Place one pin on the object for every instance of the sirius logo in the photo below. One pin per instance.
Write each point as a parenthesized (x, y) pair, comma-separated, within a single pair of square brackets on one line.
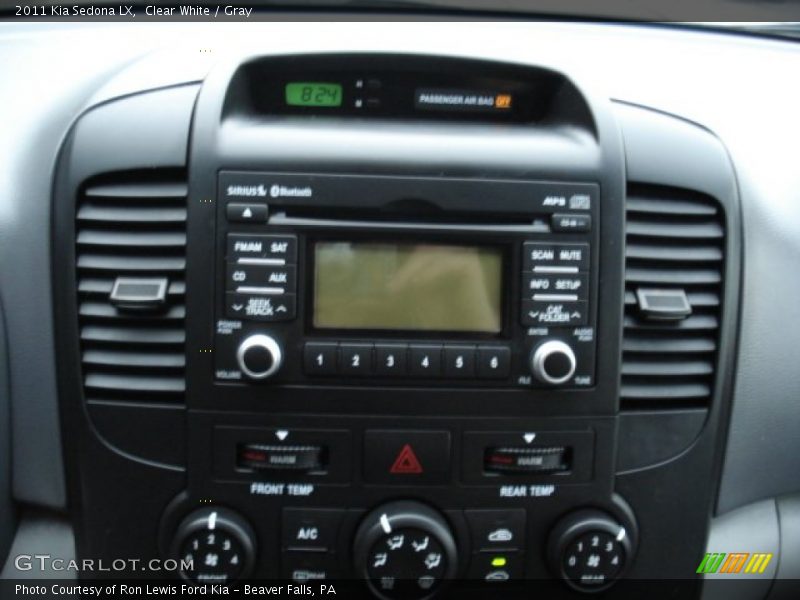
[(247, 190)]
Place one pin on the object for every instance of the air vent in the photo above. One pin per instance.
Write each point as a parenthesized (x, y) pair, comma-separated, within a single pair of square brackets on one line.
[(674, 251), (132, 230)]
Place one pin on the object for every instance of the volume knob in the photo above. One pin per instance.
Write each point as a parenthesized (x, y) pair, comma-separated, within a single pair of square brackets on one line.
[(259, 356), (553, 362)]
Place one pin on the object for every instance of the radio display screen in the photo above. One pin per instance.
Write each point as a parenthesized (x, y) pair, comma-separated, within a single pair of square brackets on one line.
[(410, 287)]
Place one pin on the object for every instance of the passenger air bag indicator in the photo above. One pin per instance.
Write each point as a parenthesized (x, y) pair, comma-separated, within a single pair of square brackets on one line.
[(449, 99)]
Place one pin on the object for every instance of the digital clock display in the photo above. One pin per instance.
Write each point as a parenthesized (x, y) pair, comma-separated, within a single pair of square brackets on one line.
[(304, 93)]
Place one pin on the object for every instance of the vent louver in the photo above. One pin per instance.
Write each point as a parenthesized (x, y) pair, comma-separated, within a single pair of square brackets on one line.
[(674, 241), (135, 227)]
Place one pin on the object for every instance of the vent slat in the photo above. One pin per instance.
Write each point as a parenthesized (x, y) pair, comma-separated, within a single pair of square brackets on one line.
[(122, 264), (132, 335), (651, 229), (131, 358), (143, 383), (131, 214), (134, 227), (696, 299), (693, 323), (135, 239), (94, 285), (139, 191), (670, 391), (669, 206), (674, 241), (673, 253), (672, 276), (680, 368), (654, 345), (108, 311)]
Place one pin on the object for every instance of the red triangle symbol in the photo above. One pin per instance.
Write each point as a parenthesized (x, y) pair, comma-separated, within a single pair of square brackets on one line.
[(406, 462)]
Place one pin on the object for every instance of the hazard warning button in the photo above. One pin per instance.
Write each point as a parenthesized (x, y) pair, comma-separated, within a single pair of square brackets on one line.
[(393, 456)]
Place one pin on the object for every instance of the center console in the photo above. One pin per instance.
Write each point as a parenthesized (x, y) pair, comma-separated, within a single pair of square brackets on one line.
[(403, 314)]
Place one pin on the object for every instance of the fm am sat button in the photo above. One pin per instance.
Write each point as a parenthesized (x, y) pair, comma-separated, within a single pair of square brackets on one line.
[(310, 529), (262, 249), (551, 313), (260, 307), (497, 529), (406, 457), (246, 212)]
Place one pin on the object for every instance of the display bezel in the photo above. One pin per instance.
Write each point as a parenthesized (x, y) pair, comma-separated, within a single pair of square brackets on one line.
[(506, 255)]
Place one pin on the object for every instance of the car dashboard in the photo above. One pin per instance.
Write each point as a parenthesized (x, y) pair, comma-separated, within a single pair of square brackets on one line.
[(413, 309)]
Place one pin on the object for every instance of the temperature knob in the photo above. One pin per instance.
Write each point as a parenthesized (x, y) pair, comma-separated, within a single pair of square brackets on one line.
[(590, 550), (553, 362), (214, 545), (405, 550), (259, 356)]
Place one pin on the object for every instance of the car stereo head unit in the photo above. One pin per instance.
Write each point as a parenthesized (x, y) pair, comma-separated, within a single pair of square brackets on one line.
[(405, 280)]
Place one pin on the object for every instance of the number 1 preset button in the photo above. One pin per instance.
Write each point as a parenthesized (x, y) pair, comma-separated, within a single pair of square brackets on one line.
[(319, 358)]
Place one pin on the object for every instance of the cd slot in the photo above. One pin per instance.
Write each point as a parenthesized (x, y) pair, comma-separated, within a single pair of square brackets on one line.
[(527, 226)]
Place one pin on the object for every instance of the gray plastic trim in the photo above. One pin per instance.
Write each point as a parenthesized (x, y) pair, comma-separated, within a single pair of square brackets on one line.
[(43, 534)]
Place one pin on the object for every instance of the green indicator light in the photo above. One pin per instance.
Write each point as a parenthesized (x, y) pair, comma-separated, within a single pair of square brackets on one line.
[(499, 561)]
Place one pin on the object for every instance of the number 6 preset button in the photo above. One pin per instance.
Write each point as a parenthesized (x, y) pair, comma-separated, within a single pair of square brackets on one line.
[(355, 359)]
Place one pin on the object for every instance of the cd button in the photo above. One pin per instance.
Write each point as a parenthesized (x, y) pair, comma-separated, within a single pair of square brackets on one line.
[(494, 362), (390, 359), (278, 278), (459, 361), (426, 361), (355, 359)]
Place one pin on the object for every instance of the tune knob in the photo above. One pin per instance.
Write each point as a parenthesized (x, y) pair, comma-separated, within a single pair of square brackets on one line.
[(589, 549), (405, 550), (218, 545), (259, 356), (553, 362)]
